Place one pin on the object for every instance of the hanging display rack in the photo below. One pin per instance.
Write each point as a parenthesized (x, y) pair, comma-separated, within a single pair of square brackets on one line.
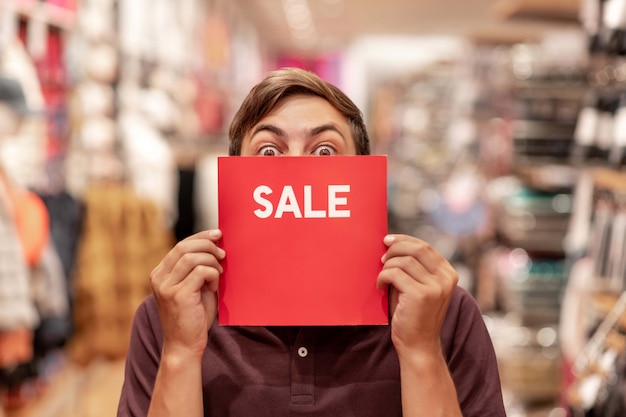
[(36, 10)]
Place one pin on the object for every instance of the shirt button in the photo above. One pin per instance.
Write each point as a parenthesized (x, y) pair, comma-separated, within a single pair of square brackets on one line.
[(303, 352)]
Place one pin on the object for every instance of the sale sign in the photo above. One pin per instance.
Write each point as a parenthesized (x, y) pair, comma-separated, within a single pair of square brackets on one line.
[(303, 238)]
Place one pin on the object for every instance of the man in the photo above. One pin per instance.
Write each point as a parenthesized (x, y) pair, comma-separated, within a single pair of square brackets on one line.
[(434, 359)]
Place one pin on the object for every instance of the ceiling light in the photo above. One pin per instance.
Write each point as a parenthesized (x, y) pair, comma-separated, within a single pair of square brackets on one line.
[(300, 21)]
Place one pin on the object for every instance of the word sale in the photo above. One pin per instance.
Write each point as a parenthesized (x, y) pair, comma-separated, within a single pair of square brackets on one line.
[(288, 203)]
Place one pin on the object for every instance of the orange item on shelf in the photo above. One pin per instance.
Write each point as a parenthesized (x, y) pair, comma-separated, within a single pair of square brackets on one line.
[(32, 222), (16, 346)]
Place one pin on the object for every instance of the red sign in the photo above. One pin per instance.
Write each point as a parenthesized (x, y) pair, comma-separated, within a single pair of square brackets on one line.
[(303, 238)]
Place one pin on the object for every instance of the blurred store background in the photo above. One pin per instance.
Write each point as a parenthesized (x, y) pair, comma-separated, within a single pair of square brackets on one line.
[(504, 122)]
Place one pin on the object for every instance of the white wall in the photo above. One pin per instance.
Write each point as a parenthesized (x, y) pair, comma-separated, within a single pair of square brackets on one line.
[(378, 57)]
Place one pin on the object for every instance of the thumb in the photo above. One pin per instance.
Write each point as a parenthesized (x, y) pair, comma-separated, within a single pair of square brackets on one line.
[(393, 301)]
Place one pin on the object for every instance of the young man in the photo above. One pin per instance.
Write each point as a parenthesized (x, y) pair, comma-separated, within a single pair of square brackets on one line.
[(435, 358)]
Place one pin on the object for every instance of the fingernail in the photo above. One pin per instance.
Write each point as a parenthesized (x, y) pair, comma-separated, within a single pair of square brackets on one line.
[(382, 258), (221, 253), (389, 239), (214, 233)]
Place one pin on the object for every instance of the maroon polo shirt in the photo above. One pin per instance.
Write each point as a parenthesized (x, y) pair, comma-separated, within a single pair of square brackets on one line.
[(314, 371)]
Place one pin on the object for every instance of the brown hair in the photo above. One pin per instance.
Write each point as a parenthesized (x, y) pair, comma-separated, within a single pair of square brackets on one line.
[(266, 95)]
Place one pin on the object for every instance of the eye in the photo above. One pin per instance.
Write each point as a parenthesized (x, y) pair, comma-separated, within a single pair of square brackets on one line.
[(269, 151), (324, 150)]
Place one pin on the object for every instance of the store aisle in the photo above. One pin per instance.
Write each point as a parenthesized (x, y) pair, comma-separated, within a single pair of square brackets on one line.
[(76, 391)]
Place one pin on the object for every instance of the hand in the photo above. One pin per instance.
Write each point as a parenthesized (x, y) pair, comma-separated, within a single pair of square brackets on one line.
[(422, 283), (185, 287)]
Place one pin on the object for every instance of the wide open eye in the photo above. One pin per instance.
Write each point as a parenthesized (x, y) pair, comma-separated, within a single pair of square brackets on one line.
[(269, 150), (324, 150)]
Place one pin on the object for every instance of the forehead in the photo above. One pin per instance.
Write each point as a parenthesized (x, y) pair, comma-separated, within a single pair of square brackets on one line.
[(302, 118), (305, 107)]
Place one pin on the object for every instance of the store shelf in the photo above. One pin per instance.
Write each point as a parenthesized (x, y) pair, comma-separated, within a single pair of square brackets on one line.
[(609, 179), (503, 36), (78, 391), (604, 302), (51, 14), (557, 10)]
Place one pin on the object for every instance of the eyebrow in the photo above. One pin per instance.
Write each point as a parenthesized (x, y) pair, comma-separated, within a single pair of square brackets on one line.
[(281, 133), (323, 128), (267, 127)]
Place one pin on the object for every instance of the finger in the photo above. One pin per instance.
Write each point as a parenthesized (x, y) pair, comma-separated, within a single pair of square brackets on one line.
[(211, 234), (204, 241), (202, 277), (398, 279), (158, 276), (412, 267), (445, 279), (402, 245), (403, 284), (189, 262)]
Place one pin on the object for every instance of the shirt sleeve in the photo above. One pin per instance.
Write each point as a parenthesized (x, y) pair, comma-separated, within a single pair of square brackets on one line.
[(471, 359), (142, 361)]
